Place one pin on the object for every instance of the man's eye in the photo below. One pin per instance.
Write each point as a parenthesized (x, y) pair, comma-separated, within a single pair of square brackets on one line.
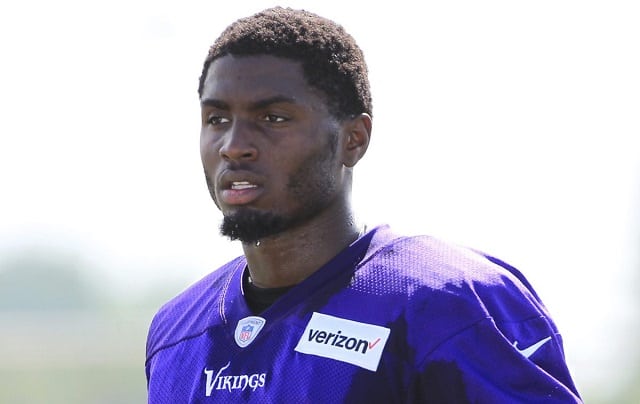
[(271, 118), (216, 120)]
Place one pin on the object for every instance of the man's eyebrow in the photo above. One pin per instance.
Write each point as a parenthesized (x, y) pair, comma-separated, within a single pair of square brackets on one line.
[(276, 99), (256, 105), (212, 102)]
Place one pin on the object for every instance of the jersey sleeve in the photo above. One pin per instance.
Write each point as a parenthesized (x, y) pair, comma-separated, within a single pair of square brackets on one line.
[(512, 353), (472, 328), (484, 364)]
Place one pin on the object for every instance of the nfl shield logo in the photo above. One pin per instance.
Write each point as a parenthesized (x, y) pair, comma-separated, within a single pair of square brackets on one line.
[(247, 330), (245, 334)]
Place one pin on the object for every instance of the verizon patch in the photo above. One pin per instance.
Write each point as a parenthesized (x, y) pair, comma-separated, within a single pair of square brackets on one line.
[(360, 344)]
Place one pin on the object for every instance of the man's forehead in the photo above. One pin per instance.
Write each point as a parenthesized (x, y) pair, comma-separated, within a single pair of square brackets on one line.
[(236, 67), (256, 75)]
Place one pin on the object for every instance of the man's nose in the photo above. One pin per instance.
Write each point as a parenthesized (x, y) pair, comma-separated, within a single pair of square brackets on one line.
[(239, 142)]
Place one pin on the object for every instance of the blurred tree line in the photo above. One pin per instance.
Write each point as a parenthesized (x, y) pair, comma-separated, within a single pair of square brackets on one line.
[(67, 338), (46, 280)]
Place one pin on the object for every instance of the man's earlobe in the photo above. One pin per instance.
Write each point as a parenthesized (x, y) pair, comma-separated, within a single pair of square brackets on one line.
[(358, 136)]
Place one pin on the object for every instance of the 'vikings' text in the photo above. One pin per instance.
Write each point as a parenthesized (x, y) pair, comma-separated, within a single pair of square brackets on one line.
[(239, 382)]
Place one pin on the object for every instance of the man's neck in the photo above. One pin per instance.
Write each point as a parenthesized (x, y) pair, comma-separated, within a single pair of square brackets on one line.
[(290, 257)]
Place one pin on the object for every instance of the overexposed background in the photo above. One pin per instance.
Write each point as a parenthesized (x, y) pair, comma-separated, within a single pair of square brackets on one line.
[(511, 127)]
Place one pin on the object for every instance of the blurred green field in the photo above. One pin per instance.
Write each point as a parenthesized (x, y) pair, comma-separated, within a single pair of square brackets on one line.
[(108, 384), (72, 357)]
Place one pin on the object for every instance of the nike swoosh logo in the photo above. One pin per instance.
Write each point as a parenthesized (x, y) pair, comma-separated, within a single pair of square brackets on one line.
[(527, 352)]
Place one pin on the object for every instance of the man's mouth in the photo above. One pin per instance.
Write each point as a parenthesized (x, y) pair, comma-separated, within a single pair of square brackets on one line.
[(240, 185), (240, 193)]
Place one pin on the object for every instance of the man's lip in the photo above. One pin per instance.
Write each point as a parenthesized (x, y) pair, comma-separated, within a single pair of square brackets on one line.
[(228, 177), (240, 196), (239, 187)]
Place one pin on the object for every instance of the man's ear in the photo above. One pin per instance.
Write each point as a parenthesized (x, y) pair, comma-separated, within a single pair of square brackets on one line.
[(358, 133)]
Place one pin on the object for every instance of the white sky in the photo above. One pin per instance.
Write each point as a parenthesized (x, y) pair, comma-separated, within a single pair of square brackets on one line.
[(508, 126)]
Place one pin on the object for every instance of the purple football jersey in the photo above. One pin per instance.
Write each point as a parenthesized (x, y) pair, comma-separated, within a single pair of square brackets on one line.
[(390, 319)]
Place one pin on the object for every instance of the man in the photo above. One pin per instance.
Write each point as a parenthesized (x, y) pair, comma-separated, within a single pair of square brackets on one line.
[(318, 309)]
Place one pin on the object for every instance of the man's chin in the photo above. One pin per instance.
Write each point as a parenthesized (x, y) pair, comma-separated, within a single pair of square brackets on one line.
[(250, 225)]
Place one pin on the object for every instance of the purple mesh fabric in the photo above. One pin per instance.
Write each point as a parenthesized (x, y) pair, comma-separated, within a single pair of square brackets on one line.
[(463, 327)]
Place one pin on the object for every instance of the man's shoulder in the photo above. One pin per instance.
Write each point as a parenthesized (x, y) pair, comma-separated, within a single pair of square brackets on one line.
[(431, 260), (193, 310), (203, 290), (428, 269), (442, 288)]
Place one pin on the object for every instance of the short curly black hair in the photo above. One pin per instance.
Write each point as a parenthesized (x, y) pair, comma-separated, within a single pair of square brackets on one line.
[(331, 60)]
